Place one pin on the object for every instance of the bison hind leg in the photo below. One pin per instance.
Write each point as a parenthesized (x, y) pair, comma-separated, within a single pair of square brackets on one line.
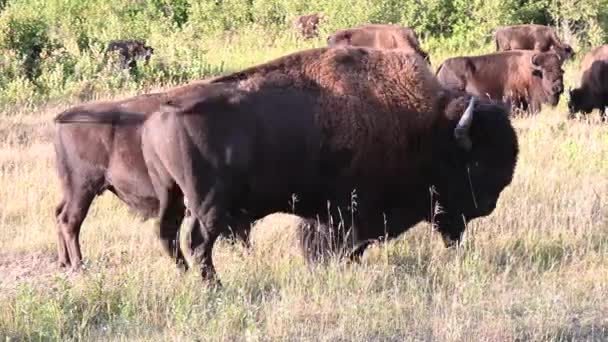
[(62, 251), (171, 212), (69, 221)]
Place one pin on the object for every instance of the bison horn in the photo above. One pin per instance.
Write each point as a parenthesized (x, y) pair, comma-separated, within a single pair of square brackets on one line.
[(461, 132), (533, 62)]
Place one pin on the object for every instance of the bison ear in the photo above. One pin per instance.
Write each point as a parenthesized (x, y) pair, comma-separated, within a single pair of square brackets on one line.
[(461, 132)]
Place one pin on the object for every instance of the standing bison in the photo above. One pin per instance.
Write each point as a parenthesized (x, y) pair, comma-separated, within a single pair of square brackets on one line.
[(525, 79), (379, 36), (308, 25), (362, 138), (531, 37), (98, 148), (130, 51), (593, 92)]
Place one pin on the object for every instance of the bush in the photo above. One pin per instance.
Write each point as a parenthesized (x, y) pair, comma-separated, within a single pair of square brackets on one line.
[(49, 42)]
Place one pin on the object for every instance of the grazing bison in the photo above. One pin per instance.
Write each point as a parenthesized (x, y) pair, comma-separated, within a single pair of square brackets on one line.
[(308, 25), (531, 37), (593, 92), (361, 143), (379, 36), (130, 51), (98, 148), (523, 78)]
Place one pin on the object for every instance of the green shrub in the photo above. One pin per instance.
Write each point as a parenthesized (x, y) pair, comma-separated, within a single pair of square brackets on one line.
[(57, 45)]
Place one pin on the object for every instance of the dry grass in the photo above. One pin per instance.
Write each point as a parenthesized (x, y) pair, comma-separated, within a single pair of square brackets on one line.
[(536, 269)]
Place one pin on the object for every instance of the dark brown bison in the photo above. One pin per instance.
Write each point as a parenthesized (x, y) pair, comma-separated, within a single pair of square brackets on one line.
[(361, 143), (308, 25), (593, 92), (379, 36), (531, 37), (98, 148), (525, 79), (130, 51)]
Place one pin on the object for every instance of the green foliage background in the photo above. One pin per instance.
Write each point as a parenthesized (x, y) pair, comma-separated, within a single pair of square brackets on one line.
[(53, 49)]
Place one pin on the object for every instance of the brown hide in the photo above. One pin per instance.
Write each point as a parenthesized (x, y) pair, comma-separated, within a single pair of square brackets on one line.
[(593, 91), (379, 36), (304, 132), (507, 76), (531, 37)]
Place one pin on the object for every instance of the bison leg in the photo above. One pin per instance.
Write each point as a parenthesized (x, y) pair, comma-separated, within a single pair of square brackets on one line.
[(70, 221), (211, 216), (171, 212), (62, 251)]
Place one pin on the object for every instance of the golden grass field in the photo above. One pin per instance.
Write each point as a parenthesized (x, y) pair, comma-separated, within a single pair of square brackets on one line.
[(536, 269)]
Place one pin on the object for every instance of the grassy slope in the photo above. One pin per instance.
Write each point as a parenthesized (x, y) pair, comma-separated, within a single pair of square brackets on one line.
[(537, 268)]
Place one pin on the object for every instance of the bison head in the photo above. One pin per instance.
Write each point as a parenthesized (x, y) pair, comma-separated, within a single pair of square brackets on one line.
[(340, 38), (564, 51), (547, 66), (579, 102), (476, 163)]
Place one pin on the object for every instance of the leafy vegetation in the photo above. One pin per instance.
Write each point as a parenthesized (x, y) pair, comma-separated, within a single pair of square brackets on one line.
[(52, 50)]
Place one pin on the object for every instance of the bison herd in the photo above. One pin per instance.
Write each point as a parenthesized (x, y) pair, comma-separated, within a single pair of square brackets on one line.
[(360, 139)]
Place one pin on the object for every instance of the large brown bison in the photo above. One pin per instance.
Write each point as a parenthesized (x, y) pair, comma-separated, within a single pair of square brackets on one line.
[(531, 37), (593, 92), (98, 148), (308, 25), (526, 79), (379, 36), (361, 143)]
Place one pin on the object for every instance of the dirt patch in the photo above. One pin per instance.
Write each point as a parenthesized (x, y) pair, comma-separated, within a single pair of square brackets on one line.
[(37, 268)]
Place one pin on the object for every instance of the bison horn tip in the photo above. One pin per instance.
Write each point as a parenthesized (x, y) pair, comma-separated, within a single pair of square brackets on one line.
[(461, 132)]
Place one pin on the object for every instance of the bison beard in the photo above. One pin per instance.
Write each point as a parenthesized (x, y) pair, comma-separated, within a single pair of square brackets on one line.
[(325, 125)]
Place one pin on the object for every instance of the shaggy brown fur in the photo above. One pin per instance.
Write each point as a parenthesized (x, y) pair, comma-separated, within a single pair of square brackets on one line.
[(531, 37), (379, 36), (523, 78), (308, 25), (593, 92), (352, 140)]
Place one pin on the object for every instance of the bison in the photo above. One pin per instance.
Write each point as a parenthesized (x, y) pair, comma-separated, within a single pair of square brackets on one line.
[(360, 143), (379, 36), (98, 148), (526, 79), (308, 25), (531, 37), (593, 92), (130, 51)]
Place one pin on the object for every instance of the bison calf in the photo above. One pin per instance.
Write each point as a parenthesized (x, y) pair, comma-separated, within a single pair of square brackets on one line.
[(130, 51), (308, 25), (525, 79), (593, 91)]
